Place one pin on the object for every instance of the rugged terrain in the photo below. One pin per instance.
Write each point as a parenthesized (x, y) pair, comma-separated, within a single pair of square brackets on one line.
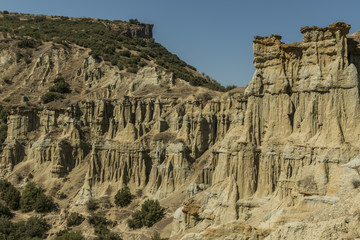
[(264, 163)]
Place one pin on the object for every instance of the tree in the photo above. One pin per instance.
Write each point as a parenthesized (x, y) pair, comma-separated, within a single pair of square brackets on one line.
[(151, 212), (5, 211), (156, 236), (43, 203), (33, 198), (9, 194), (74, 219), (50, 96), (66, 235), (123, 197), (29, 196), (36, 227), (91, 204)]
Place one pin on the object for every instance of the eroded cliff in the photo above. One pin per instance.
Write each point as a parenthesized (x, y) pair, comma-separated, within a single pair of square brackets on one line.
[(267, 164)]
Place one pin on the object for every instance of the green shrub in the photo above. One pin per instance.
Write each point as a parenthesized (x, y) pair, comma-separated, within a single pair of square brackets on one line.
[(28, 197), (33, 198), (60, 85), (3, 133), (66, 235), (9, 194), (97, 219), (132, 70), (27, 43), (5, 211), (44, 203), (133, 21), (5, 226), (123, 197), (49, 97), (3, 115), (151, 212), (91, 204), (74, 219), (125, 53), (156, 236), (36, 227), (103, 233)]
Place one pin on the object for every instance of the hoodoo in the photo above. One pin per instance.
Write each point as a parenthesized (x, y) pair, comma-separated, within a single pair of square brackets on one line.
[(83, 122)]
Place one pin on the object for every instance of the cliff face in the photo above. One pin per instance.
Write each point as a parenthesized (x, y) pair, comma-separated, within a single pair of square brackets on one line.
[(299, 127), (219, 163)]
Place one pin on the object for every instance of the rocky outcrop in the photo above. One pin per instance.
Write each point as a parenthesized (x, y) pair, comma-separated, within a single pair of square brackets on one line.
[(255, 167), (300, 123)]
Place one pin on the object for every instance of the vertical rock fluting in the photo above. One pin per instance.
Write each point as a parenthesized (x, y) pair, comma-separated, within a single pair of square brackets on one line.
[(300, 123), (141, 142)]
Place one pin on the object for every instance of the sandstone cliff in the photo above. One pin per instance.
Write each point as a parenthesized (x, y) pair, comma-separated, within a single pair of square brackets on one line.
[(265, 164)]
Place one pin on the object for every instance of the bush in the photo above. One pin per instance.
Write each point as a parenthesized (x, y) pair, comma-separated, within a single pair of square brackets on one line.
[(66, 235), (133, 21), (3, 115), (151, 212), (49, 97), (103, 233), (156, 236), (132, 70), (97, 219), (29, 197), (125, 53), (123, 197), (33, 198), (27, 43), (74, 219), (5, 226), (60, 85), (91, 204), (9, 194), (36, 227), (3, 133), (5, 211), (44, 203)]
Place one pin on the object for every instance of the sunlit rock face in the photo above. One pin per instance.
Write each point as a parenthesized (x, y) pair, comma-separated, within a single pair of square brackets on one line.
[(226, 166)]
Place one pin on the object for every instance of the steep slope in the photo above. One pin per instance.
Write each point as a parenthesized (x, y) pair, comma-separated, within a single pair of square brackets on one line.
[(264, 163), (284, 165)]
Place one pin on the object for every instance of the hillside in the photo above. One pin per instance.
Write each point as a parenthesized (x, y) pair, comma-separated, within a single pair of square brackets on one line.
[(124, 155), (82, 48)]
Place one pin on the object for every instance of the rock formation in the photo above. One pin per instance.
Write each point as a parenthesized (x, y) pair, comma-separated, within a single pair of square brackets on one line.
[(267, 164)]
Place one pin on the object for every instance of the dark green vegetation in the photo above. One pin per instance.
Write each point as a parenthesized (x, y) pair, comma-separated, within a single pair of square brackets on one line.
[(49, 97), (33, 198), (56, 90), (100, 223), (5, 211), (60, 86), (123, 197), (106, 39), (9, 194), (156, 236), (150, 213), (3, 124), (34, 228), (69, 235), (91, 205), (74, 219)]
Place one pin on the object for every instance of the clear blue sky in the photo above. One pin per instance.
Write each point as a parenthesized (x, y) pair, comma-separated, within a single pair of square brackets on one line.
[(215, 36)]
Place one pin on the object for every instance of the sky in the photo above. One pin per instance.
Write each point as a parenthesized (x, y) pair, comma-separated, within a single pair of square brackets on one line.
[(215, 36)]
